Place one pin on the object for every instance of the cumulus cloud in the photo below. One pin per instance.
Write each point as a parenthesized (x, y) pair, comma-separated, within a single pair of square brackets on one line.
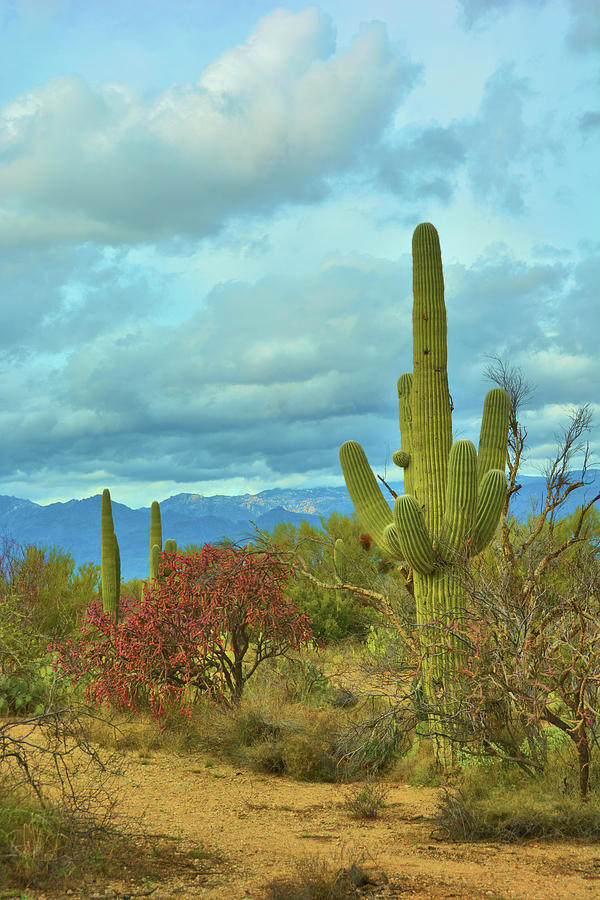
[(502, 146), (266, 380), (423, 163), (481, 12), (497, 148), (583, 34), (55, 297), (266, 124), (584, 30)]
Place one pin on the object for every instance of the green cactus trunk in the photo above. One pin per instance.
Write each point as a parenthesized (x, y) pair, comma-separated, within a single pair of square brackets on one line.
[(155, 537), (110, 560), (340, 568), (453, 494), (155, 541)]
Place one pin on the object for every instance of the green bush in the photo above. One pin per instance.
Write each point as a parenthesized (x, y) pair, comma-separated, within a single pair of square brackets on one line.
[(29, 691)]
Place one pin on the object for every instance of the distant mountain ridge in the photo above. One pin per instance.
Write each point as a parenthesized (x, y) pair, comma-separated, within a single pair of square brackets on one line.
[(74, 526)]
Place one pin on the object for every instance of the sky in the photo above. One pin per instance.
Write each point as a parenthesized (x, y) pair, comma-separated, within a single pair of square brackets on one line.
[(206, 214)]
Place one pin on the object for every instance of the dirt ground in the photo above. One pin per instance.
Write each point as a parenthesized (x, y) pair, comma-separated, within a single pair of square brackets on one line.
[(259, 825)]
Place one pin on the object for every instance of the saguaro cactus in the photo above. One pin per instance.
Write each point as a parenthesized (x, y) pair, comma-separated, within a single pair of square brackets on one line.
[(155, 541), (110, 560), (453, 494), (155, 537)]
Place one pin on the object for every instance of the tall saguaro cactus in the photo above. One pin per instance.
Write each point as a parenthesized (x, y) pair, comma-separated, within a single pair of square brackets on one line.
[(110, 560), (453, 493)]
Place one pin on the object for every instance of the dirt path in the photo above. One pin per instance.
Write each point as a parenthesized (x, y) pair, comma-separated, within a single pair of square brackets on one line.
[(261, 824)]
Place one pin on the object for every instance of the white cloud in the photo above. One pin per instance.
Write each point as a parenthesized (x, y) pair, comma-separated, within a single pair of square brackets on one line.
[(270, 378), (265, 124)]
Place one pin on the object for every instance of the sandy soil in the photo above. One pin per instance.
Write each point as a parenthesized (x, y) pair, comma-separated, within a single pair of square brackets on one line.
[(261, 824)]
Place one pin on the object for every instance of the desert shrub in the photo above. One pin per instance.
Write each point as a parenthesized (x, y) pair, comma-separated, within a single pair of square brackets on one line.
[(318, 879), (333, 615), (50, 596), (370, 745), (364, 801), (57, 797), (303, 681), (418, 765), (251, 727), (40, 597), (190, 634), (494, 800), (30, 689), (307, 759), (503, 815), (267, 757)]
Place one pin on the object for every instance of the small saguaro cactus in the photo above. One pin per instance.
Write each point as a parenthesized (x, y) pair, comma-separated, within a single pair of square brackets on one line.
[(453, 493), (155, 540), (339, 559), (155, 537), (110, 560), (340, 565)]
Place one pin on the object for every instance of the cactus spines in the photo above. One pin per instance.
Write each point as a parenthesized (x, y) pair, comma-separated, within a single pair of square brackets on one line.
[(453, 494), (110, 561)]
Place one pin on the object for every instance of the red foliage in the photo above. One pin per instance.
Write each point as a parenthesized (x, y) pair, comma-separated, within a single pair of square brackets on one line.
[(194, 625)]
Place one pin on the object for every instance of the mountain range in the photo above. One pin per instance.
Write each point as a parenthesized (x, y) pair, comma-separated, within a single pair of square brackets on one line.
[(74, 526)]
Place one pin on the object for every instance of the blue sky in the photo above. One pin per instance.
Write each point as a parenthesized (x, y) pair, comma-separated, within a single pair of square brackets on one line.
[(206, 211)]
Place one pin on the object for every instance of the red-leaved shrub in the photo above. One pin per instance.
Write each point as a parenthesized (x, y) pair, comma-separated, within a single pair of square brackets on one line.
[(193, 628)]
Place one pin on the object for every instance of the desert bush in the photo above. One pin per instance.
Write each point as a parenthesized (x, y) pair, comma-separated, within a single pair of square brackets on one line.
[(512, 816), (40, 598), (418, 765), (335, 615), (51, 597), (307, 759), (318, 879), (58, 796), (190, 633), (365, 801), (303, 681), (267, 757)]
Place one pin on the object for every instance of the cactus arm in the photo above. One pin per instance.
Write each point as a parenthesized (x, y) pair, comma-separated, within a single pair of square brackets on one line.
[(402, 457), (390, 534), (492, 493), (414, 541), (461, 500), (493, 437), (373, 511)]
